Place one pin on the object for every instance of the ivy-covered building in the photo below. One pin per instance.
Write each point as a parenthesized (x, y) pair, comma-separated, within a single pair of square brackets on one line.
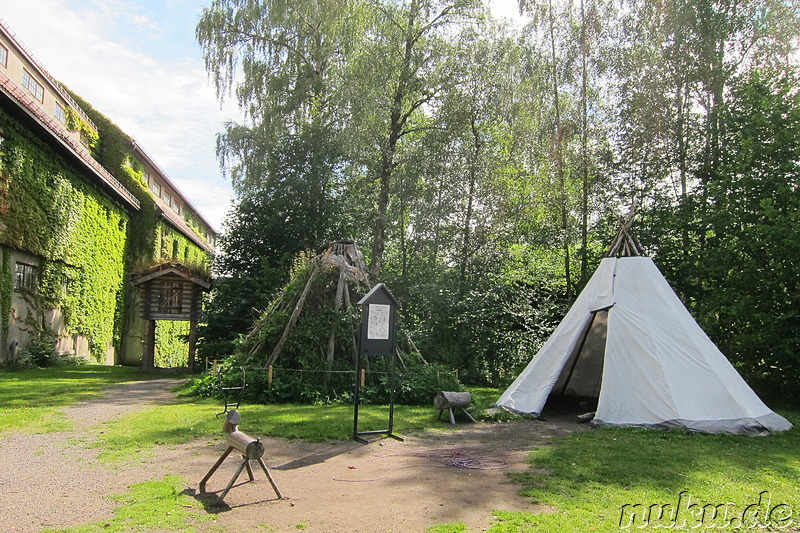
[(84, 210)]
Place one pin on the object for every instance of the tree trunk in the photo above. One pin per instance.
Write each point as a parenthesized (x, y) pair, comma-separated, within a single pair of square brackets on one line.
[(559, 156), (466, 236), (397, 122), (584, 147)]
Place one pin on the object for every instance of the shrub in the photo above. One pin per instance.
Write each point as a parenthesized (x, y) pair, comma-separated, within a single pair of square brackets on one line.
[(40, 352), (415, 386)]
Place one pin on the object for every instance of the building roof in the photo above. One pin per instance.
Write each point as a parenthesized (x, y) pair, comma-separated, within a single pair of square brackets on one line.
[(29, 112), (137, 148), (171, 270), (34, 115)]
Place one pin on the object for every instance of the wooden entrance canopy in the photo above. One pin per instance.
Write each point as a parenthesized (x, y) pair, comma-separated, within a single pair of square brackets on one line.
[(170, 291)]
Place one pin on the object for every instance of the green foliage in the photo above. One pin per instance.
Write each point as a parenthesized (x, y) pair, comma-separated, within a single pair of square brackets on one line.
[(415, 386), (173, 246), (76, 123), (731, 250), (306, 346), (484, 166), (55, 214), (172, 343), (751, 252), (490, 329), (148, 239), (38, 353), (287, 212), (6, 286)]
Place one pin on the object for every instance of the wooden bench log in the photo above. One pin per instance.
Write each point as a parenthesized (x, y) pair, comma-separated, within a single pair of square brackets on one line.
[(453, 400), (446, 400), (250, 448)]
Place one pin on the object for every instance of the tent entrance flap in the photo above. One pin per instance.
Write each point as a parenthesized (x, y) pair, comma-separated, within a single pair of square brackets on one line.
[(583, 372)]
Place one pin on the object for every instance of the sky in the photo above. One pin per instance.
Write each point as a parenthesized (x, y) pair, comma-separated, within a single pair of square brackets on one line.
[(138, 63)]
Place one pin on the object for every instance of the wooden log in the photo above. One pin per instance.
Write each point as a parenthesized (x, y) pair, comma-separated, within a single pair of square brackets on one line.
[(337, 305), (251, 448), (453, 400), (448, 400)]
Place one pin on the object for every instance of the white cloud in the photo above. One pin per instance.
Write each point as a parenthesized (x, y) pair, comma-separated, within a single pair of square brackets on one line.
[(163, 100)]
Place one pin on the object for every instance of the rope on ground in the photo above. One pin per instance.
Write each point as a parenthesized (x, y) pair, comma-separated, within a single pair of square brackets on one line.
[(447, 458)]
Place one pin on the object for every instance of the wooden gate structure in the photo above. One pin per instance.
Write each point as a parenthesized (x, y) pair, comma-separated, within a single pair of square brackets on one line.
[(169, 291)]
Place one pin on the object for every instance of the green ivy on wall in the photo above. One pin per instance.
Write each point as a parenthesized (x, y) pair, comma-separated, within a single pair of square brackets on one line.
[(54, 213), (174, 246), (88, 244), (172, 344), (147, 231), (6, 283), (76, 123), (150, 239)]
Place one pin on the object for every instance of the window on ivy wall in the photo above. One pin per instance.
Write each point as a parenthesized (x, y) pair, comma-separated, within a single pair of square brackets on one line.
[(32, 85), (60, 113), (65, 281), (155, 187), (26, 278), (3, 56)]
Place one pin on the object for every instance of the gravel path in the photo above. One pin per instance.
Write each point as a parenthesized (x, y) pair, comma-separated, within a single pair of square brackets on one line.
[(50, 480), (54, 480)]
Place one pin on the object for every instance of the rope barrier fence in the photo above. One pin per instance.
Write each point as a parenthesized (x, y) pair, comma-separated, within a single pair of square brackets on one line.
[(273, 373)]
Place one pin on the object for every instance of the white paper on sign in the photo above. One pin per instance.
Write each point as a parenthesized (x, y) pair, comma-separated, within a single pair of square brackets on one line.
[(378, 321)]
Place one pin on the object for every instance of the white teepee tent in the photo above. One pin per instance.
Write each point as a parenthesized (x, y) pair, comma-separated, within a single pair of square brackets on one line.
[(629, 341)]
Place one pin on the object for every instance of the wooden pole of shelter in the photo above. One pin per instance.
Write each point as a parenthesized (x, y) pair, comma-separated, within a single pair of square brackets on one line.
[(337, 305), (192, 345), (149, 351), (625, 243), (277, 305), (362, 266), (414, 346), (276, 352)]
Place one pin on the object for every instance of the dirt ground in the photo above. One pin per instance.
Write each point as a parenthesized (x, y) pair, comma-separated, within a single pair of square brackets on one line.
[(432, 477)]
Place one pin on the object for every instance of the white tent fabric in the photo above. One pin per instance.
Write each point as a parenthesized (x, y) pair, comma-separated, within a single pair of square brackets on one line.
[(659, 368)]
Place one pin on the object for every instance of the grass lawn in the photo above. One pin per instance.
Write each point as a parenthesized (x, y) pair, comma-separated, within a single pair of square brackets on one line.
[(606, 479), (30, 399), (611, 479)]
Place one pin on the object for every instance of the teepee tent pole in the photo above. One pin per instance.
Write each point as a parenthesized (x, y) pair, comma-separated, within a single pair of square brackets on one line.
[(293, 319)]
